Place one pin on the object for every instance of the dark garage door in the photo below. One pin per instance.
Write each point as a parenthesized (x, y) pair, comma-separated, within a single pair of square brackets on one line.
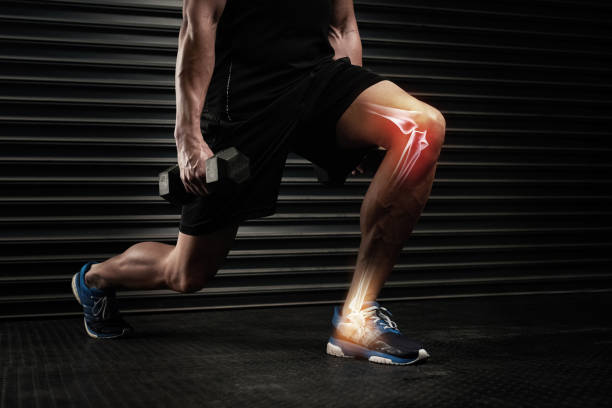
[(521, 201)]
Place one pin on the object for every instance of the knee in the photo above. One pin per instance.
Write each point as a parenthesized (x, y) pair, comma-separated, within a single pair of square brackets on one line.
[(427, 119), (190, 284), (434, 123), (436, 120), (187, 279)]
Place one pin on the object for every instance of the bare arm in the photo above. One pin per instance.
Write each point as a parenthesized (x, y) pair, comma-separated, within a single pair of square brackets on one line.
[(195, 62), (343, 33)]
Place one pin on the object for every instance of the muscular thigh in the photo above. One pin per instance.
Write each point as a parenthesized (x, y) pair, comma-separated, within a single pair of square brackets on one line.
[(353, 129)]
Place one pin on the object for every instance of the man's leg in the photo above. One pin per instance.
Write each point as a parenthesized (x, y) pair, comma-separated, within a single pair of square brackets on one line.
[(413, 134), (185, 267)]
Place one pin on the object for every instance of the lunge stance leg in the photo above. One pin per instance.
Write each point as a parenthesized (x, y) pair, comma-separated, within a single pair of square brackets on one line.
[(185, 267), (412, 133)]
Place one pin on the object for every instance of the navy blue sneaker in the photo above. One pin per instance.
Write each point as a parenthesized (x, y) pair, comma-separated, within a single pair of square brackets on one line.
[(372, 335), (102, 317)]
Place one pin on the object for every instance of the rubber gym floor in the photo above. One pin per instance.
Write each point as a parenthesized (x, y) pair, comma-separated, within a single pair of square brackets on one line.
[(501, 351)]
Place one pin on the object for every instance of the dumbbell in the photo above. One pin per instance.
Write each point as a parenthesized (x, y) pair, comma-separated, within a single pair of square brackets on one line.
[(225, 168), (369, 164)]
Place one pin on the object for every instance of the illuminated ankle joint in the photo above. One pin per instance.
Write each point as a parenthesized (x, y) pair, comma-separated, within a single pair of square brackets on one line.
[(414, 140), (364, 326), (353, 326), (355, 303)]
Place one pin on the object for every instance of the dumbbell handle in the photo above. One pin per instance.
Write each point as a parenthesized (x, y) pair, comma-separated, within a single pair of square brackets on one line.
[(171, 187), (226, 167)]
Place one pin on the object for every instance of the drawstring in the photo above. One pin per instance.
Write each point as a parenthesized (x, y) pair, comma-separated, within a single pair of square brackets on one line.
[(227, 88)]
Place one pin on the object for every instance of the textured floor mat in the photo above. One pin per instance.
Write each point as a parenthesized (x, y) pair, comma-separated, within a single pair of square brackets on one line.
[(535, 351)]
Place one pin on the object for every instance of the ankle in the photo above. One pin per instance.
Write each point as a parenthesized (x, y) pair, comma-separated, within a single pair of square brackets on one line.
[(352, 327), (93, 279), (348, 309)]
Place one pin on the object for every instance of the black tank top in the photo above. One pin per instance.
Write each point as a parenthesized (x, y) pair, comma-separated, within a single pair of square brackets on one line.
[(263, 47)]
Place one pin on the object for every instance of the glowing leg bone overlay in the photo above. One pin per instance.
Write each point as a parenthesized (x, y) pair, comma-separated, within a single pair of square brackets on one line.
[(413, 141)]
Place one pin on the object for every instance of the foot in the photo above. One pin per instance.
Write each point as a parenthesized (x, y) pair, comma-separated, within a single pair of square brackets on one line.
[(371, 334), (102, 317)]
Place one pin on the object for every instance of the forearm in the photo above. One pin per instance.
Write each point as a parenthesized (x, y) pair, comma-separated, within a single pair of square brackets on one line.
[(194, 67), (346, 43)]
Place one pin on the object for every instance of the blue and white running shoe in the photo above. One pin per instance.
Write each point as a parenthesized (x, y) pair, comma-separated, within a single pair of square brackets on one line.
[(102, 317), (371, 334)]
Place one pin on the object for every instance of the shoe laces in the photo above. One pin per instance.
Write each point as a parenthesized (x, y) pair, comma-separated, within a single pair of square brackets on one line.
[(380, 317), (104, 307), (366, 324)]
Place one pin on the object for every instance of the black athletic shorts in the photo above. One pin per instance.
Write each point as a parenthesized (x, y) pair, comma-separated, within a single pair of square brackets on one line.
[(303, 120)]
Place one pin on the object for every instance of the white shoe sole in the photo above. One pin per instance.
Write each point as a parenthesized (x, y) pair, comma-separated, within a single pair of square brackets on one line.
[(337, 351)]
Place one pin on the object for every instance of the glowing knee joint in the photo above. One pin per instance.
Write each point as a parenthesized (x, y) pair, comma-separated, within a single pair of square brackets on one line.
[(415, 140)]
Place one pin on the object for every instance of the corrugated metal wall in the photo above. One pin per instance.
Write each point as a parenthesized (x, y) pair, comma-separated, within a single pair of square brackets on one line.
[(521, 202)]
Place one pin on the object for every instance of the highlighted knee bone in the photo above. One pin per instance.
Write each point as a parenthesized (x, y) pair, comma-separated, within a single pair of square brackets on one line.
[(415, 140)]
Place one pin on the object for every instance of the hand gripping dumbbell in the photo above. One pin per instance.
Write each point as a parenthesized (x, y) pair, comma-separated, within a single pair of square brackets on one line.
[(227, 167)]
